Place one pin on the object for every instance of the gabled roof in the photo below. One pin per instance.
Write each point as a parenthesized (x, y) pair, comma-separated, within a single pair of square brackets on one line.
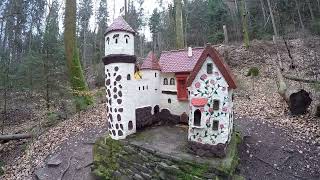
[(218, 61), (178, 60), (151, 62), (119, 24)]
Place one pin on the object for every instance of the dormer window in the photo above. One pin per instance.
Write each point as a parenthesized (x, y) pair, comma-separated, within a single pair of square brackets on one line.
[(116, 37), (127, 38)]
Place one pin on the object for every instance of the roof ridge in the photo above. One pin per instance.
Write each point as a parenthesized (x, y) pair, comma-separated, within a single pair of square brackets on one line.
[(185, 49)]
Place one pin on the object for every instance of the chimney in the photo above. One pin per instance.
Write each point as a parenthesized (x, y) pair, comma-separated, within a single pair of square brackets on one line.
[(189, 52)]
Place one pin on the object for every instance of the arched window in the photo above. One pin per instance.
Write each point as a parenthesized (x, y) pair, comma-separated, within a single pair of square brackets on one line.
[(127, 38), (172, 81), (197, 118), (155, 74), (130, 125), (165, 81), (116, 36), (128, 77), (108, 40), (169, 101), (156, 109)]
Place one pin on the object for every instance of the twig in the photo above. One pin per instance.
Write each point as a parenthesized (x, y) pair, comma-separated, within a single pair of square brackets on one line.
[(311, 81), (64, 172)]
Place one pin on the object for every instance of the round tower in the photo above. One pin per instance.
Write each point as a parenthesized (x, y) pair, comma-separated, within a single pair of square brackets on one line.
[(119, 64)]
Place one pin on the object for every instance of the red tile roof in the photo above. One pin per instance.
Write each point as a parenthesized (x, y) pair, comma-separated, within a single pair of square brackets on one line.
[(218, 61), (151, 62), (120, 24), (178, 60), (199, 102)]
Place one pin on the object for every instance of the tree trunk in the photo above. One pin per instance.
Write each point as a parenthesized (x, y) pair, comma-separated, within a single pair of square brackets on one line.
[(179, 25), (272, 19), (263, 11), (15, 137), (310, 9), (236, 4), (300, 17), (78, 82), (245, 24), (225, 32)]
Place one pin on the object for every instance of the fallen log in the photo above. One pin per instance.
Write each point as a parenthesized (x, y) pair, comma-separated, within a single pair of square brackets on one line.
[(15, 137)]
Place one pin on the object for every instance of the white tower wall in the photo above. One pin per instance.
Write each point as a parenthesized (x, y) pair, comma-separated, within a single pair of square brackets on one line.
[(119, 42)]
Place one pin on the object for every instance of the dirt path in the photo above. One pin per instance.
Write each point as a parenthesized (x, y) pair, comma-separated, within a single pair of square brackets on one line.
[(269, 153), (74, 158), (266, 153)]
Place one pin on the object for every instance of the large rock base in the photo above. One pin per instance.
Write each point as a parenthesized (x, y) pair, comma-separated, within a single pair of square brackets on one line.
[(127, 159)]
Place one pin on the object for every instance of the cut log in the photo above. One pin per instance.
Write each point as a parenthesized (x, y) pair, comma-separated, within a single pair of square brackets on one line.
[(15, 137)]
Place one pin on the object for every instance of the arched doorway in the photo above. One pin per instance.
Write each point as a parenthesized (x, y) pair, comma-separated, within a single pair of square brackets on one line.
[(197, 118)]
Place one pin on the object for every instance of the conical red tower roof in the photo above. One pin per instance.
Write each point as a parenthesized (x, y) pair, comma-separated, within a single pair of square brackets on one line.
[(151, 62), (120, 24)]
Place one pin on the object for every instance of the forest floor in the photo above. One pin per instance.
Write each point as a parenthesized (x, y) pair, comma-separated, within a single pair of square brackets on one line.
[(276, 144)]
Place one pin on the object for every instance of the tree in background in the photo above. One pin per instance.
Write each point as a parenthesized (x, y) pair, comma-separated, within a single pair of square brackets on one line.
[(179, 24), (245, 31), (218, 16), (77, 80), (154, 24)]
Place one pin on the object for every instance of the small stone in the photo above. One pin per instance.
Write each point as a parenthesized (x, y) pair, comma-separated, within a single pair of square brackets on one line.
[(308, 166), (300, 151), (137, 177), (54, 160), (41, 174)]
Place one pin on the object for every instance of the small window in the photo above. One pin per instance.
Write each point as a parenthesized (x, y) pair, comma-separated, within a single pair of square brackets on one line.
[(142, 87), (128, 77), (216, 104), (169, 101), (108, 40), (147, 87), (197, 118), (215, 125), (139, 88), (130, 125), (165, 81), (127, 41), (172, 81), (155, 74), (116, 41), (209, 68)]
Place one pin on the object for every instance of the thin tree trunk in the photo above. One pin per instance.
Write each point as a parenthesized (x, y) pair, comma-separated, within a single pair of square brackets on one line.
[(225, 32), (125, 10), (236, 4), (15, 137), (318, 5), (300, 17), (310, 9), (245, 24), (263, 11), (272, 19), (179, 24)]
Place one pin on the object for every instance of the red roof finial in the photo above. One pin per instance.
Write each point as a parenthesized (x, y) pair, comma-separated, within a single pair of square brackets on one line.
[(119, 24)]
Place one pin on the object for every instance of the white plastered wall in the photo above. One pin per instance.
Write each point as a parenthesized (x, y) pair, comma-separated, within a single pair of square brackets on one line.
[(121, 47), (176, 107), (205, 134)]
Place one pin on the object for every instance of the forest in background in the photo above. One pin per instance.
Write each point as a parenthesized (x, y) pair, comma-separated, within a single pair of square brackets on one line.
[(33, 66)]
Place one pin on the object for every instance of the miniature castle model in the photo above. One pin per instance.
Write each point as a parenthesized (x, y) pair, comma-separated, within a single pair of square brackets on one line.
[(193, 83)]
